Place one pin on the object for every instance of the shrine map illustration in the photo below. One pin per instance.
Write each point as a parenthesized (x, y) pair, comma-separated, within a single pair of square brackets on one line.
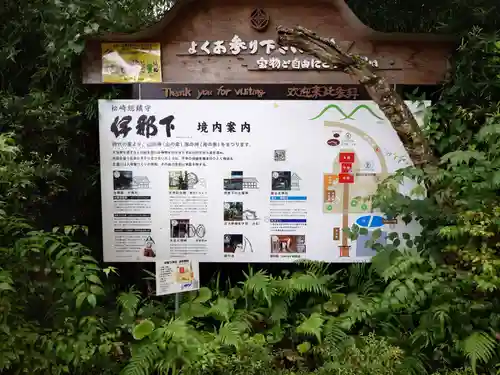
[(358, 165)]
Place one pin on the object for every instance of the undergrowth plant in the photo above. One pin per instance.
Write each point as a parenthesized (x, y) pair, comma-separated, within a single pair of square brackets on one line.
[(441, 297), (49, 286)]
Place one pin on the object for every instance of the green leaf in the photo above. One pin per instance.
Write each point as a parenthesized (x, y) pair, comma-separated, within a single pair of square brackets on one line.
[(53, 248), (312, 326), (80, 298), (486, 132), (204, 294), (143, 329), (462, 157), (88, 258), (304, 347), (479, 346), (496, 178), (5, 286), (95, 279), (92, 300), (109, 270), (331, 307), (97, 290), (76, 47), (259, 339)]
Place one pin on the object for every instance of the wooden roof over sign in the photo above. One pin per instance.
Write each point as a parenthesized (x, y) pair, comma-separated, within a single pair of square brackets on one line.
[(233, 41)]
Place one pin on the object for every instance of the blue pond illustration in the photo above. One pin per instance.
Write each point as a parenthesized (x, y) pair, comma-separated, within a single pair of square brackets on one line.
[(370, 221)]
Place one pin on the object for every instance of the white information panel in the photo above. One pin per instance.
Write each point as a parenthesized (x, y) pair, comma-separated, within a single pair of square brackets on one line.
[(176, 276), (244, 180)]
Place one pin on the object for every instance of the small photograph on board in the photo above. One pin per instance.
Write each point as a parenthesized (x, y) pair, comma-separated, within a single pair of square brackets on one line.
[(178, 180), (123, 180), (233, 211), (233, 243), (179, 228), (281, 181), (288, 244), (235, 182), (148, 250), (279, 155)]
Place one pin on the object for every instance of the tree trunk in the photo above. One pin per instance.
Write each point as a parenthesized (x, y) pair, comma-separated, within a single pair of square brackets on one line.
[(381, 92)]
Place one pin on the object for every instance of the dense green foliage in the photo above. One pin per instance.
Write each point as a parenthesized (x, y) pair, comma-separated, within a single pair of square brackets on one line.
[(444, 16), (425, 305)]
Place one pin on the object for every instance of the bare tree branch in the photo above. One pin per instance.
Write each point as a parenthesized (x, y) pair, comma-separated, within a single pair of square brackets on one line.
[(381, 92)]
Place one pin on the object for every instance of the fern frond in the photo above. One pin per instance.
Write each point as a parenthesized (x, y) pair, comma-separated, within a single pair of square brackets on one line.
[(478, 347), (333, 333), (129, 301), (245, 318), (260, 286), (312, 326), (413, 365), (176, 329), (142, 361), (317, 268), (231, 334), (360, 307), (222, 309), (307, 282), (403, 265), (279, 309), (358, 273)]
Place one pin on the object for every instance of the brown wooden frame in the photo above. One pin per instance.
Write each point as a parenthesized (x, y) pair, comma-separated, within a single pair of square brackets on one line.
[(417, 58)]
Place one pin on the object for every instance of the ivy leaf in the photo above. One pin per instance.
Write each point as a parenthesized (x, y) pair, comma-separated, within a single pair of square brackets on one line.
[(143, 329), (76, 47)]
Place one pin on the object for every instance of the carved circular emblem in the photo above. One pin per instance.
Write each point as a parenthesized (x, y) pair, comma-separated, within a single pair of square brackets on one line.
[(259, 19)]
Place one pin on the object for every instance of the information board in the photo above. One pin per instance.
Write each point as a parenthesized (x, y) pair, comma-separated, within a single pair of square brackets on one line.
[(176, 276), (244, 180)]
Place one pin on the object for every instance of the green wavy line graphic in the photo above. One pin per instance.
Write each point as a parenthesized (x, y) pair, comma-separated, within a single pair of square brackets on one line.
[(327, 108), (346, 117), (365, 107)]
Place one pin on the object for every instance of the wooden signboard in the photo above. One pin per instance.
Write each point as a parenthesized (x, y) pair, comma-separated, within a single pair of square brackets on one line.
[(233, 42)]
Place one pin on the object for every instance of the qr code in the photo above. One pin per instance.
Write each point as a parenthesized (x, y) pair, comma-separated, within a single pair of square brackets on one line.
[(279, 155)]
